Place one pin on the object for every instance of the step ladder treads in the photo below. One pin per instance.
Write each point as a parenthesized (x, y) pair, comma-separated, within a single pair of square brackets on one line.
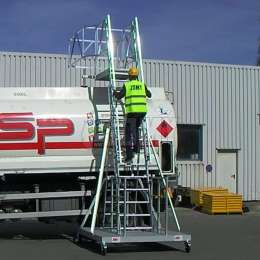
[(130, 202), (121, 74), (137, 228), (133, 177), (129, 214), (132, 189)]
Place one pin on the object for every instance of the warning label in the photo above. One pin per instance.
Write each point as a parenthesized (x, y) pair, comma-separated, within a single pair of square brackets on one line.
[(164, 128)]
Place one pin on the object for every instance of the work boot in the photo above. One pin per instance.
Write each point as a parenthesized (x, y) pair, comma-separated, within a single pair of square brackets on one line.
[(129, 155), (128, 161)]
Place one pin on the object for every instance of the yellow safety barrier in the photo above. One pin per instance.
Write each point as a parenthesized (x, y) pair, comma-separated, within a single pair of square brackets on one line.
[(197, 194), (225, 203)]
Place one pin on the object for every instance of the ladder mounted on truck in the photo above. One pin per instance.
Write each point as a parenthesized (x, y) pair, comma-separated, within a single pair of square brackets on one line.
[(129, 199)]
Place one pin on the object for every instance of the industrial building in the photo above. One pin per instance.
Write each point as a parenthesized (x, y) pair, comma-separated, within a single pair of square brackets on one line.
[(217, 110)]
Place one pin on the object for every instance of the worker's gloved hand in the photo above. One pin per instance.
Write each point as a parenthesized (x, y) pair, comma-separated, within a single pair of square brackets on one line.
[(115, 93)]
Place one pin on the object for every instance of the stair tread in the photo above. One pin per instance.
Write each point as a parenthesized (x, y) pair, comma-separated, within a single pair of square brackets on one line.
[(131, 202), (129, 214), (137, 228), (120, 74), (132, 189)]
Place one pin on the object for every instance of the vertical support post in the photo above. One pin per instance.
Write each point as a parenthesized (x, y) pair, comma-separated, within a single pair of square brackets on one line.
[(158, 205), (112, 203), (113, 107), (139, 50), (83, 188), (37, 190), (96, 41), (136, 195), (100, 178), (84, 77), (83, 40), (118, 185), (105, 204), (151, 204), (111, 50), (125, 209), (166, 207)]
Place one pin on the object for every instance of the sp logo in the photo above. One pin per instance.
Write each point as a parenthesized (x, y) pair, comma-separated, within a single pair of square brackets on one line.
[(16, 128)]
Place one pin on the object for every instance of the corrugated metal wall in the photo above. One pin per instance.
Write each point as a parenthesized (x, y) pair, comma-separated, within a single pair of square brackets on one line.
[(222, 98), (225, 100)]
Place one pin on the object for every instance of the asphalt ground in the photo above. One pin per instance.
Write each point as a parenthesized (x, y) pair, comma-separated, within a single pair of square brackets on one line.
[(213, 237)]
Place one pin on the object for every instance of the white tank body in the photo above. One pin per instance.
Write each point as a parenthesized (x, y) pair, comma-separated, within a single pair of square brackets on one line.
[(55, 130)]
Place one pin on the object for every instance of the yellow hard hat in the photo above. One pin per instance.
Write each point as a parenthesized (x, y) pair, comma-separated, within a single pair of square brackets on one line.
[(133, 72)]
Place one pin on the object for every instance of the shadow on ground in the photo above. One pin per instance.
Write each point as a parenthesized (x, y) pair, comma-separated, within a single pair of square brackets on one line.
[(35, 230)]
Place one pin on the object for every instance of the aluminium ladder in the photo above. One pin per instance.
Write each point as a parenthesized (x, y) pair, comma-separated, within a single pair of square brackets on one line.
[(128, 194)]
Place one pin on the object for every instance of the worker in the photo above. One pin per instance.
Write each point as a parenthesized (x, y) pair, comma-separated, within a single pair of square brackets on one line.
[(135, 93)]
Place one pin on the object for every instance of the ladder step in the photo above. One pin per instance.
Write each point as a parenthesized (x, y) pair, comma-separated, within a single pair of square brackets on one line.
[(131, 189), (136, 215), (135, 189), (137, 228), (133, 177), (120, 75), (133, 165), (132, 228), (130, 202), (129, 215)]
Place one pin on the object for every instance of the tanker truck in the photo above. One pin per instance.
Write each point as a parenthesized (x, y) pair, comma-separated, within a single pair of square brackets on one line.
[(51, 143)]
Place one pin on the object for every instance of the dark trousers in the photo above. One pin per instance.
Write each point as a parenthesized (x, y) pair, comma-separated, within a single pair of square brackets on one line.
[(133, 122)]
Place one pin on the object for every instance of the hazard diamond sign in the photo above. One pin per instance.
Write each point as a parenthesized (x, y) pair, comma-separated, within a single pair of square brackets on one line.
[(164, 128)]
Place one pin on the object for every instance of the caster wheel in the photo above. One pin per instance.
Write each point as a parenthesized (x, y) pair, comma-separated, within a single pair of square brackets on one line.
[(77, 239), (187, 245), (103, 249)]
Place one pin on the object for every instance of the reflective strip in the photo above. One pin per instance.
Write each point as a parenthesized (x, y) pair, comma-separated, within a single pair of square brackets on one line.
[(136, 96), (135, 104), (135, 100)]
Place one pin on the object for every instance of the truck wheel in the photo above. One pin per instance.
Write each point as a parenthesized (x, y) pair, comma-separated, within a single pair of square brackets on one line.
[(187, 245)]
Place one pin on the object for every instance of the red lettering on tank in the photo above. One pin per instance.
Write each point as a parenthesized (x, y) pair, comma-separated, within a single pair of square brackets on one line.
[(10, 129), (52, 127), (22, 127)]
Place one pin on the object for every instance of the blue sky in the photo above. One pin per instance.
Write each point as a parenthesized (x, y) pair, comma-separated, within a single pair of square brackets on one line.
[(217, 31)]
